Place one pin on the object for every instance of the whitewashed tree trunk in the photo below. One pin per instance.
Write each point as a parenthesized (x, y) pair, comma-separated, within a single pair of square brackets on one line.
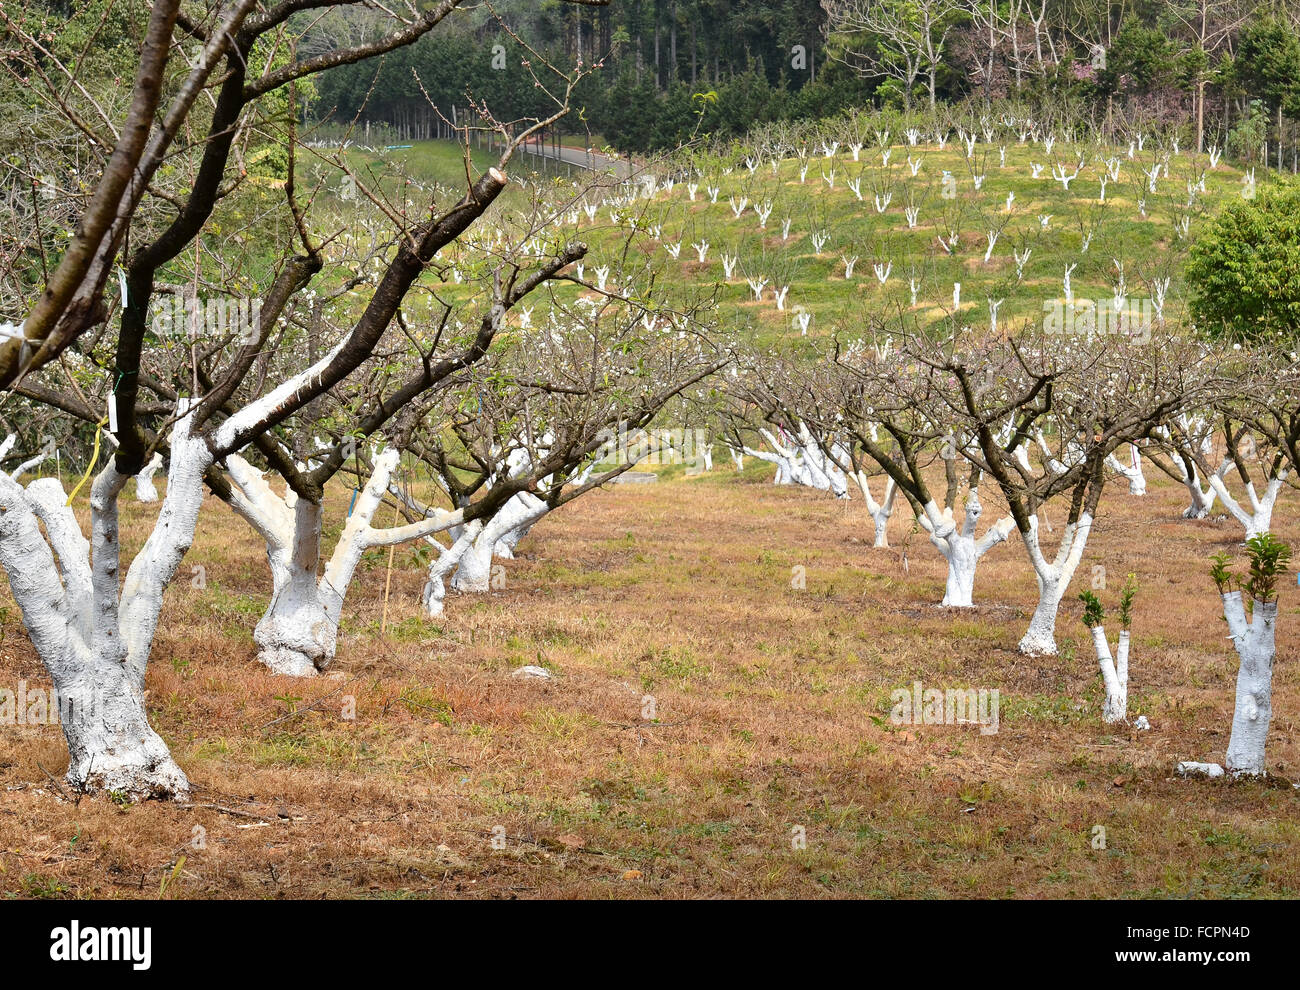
[(959, 589), (1114, 674), (824, 473), (1255, 643), (880, 511), (960, 548), (790, 461), (880, 514), (144, 487), (298, 634), (435, 588), (1050, 460), (1053, 579), (784, 470), (474, 572), (1131, 472), (93, 638), (1257, 514), (31, 464), (1201, 499)]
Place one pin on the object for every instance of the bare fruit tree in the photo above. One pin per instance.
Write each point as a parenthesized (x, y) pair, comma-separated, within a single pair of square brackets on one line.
[(224, 71)]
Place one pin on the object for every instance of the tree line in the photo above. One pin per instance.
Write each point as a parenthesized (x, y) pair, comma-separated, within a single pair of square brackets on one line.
[(673, 70)]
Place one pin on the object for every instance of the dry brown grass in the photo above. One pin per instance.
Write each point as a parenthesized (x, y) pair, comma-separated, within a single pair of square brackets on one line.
[(773, 712)]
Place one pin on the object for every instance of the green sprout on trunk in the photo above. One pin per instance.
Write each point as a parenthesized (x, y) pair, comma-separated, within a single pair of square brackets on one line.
[(1268, 557), (1094, 614), (1126, 596)]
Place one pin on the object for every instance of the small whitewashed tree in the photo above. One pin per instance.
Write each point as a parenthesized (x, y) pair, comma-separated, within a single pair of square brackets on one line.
[(1114, 669), (559, 413), (1260, 430), (1188, 439), (144, 486), (868, 392), (804, 454)]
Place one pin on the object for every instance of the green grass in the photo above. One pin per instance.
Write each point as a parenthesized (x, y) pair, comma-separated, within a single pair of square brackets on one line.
[(1149, 248)]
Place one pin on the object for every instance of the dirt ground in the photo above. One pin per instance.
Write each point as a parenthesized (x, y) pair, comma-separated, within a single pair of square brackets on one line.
[(711, 728)]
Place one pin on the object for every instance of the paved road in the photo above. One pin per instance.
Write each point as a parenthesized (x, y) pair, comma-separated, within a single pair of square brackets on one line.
[(579, 157)]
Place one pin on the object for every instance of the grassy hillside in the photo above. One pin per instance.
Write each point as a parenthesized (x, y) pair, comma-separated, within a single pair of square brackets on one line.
[(1125, 242), (1133, 231)]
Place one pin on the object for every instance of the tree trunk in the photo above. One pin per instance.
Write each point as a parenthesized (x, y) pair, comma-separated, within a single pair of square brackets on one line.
[(474, 574), (93, 638), (1254, 706), (1200, 115), (960, 548), (1040, 638), (295, 636), (144, 486), (435, 588), (111, 746), (298, 634), (882, 528), (1114, 675), (1256, 516), (962, 563), (1053, 579)]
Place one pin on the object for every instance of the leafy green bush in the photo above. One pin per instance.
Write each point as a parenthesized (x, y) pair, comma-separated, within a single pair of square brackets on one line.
[(1268, 558), (1244, 271)]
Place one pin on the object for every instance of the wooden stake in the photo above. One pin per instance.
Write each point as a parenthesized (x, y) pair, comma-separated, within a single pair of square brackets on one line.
[(388, 579)]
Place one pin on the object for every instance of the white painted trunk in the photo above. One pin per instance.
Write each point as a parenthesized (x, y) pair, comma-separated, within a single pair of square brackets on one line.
[(1053, 579), (1121, 670), (1202, 499), (94, 638), (1131, 472), (474, 572), (880, 511), (881, 518), (960, 548), (1040, 638), (505, 547), (435, 588), (144, 486), (784, 473), (111, 746), (297, 636), (962, 563), (1255, 643), (1256, 514), (1114, 675)]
